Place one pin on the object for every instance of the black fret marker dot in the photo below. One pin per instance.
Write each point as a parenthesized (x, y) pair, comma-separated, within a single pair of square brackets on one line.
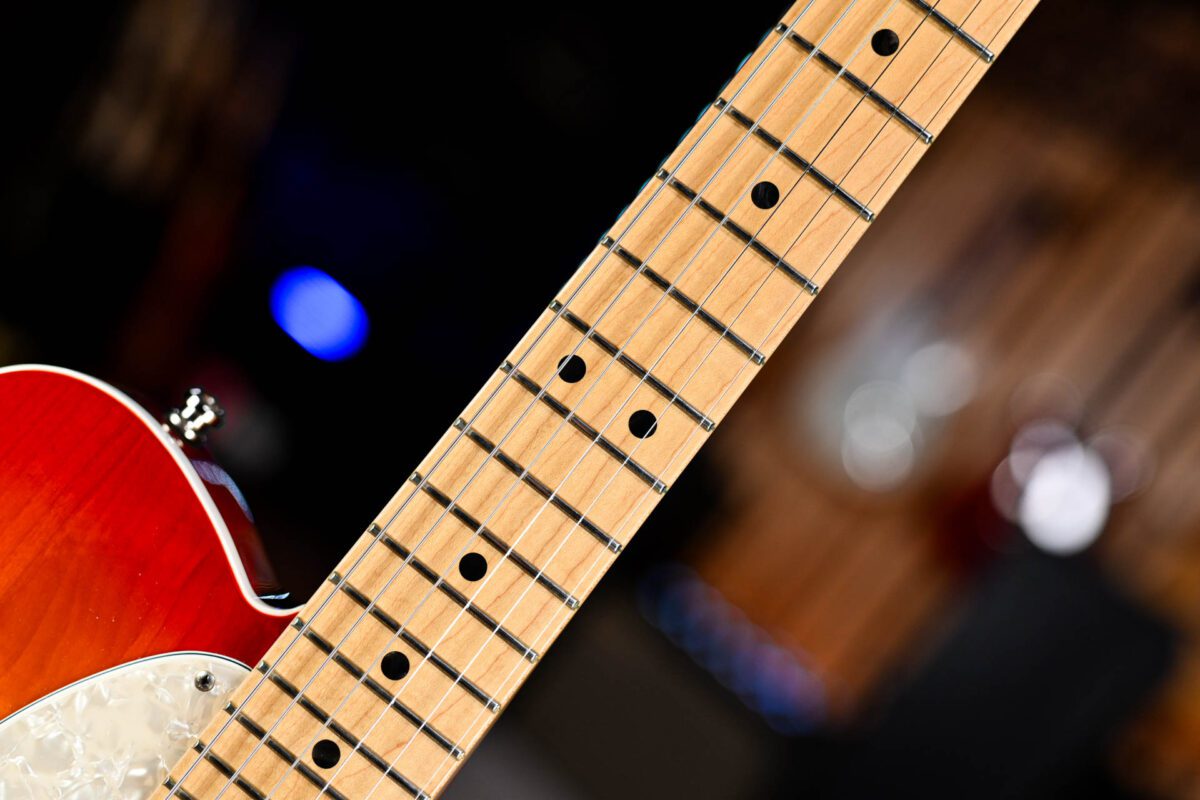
[(642, 424), (394, 665), (472, 566), (326, 754), (765, 194), (572, 369), (885, 42)]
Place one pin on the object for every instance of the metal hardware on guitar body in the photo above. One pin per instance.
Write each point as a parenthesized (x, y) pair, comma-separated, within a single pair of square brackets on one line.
[(200, 413)]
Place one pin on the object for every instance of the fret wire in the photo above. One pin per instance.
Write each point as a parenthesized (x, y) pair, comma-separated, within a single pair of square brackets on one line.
[(569, 417), (670, 290), (362, 675), (281, 751), (319, 714), (441, 458), (538, 486), (860, 84), (797, 72), (988, 59), (173, 787), (983, 52), (223, 767), (633, 366), (583, 427), (785, 315), (438, 582), (798, 160), (751, 240), (694, 372), (498, 544), (540, 395), (339, 658), (834, 249)]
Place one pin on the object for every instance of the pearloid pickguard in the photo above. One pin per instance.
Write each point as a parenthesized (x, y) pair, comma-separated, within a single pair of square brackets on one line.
[(112, 735)]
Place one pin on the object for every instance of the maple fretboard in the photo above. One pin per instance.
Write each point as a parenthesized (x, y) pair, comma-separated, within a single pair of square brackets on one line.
[(400, 663)]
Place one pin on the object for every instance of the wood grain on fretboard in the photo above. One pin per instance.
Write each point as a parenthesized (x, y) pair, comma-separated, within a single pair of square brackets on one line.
[(673, 313)]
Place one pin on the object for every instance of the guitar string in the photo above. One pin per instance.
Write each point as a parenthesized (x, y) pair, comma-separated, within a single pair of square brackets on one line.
[(910, 146), (418, 608), (828, 198), (206, 748), (786, 314), (883, 184)]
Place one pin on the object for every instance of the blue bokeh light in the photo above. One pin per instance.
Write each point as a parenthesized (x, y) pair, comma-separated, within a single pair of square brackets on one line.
[(318, 312)]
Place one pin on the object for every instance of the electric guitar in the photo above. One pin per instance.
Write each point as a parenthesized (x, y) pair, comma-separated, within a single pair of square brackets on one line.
[(141, 655)]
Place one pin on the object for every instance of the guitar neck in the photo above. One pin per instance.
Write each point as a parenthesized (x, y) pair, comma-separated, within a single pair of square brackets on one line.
[(395, 669)]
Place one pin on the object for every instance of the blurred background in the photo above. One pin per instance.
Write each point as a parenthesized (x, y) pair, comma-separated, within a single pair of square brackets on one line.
[(947, 546)]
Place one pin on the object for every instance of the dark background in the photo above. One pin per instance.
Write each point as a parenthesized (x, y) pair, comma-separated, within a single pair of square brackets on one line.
[(450, 164), (451, 167)]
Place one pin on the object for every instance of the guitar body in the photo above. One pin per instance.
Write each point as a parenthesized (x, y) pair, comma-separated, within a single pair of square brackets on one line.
[(131, 581), (129, 584)]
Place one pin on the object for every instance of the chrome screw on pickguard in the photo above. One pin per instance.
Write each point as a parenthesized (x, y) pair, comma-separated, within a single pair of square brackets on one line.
[(205, 681)]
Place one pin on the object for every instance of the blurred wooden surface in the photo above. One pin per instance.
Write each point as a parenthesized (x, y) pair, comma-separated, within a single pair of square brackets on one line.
[(1051, 233)]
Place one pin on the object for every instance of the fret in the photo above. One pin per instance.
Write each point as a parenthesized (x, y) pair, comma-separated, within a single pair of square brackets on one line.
[(549, 538), (544, 476), (354, 670), (814, 108), (723, 167), (207, 774), (712, 266), (741, 159), (272, 761), (792, 93), (633, 366), (290, 742), (420, 650), (432, 616), (178, 790), (748, 238), (228, 771), (335, 668), (381, 592), (688, 303), (291, 722), (966, 38), (866, 150), (196, 776), (542, 489), (495, 596), (339, 730), (504, 549), (840, 28), (790, 155), (945, 69), (438, 582), (605, 444), (858, 83)]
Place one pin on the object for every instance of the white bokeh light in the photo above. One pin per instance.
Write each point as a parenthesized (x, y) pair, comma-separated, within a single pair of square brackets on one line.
[(941, 378), (1066, 500), (878, 444)]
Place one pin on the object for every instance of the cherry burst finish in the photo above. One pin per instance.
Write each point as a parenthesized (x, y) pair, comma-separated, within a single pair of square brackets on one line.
[(113, 546)]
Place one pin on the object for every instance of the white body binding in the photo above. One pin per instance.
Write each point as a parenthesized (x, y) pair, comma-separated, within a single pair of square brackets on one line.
[(189, 472), (114, 735)]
